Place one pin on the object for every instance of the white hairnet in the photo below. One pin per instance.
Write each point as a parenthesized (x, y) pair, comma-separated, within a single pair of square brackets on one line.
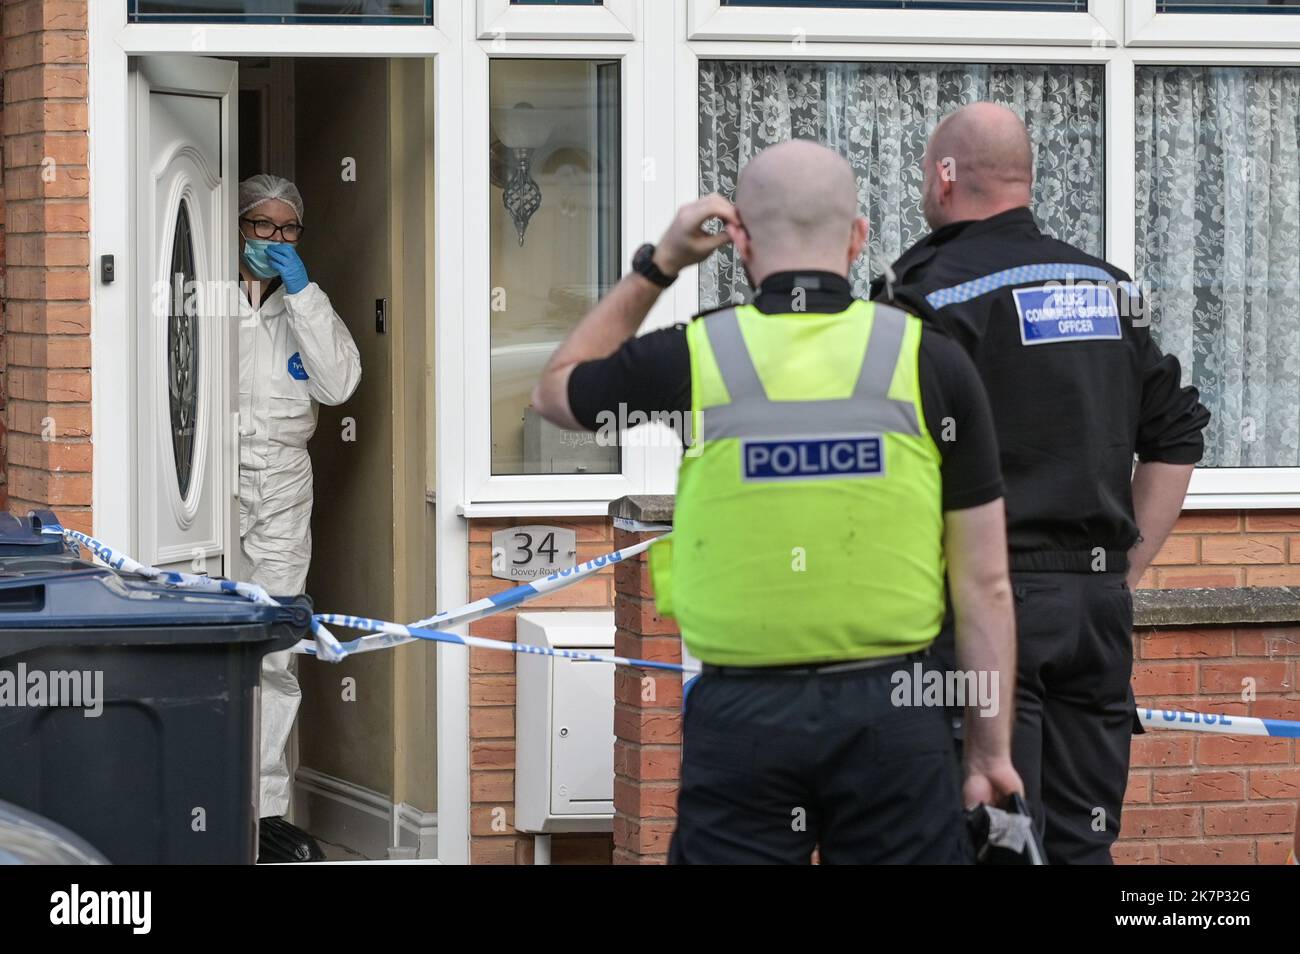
[(257, 189)]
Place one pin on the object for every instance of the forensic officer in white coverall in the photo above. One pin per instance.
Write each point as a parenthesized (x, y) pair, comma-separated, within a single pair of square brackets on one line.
[(294, 352)]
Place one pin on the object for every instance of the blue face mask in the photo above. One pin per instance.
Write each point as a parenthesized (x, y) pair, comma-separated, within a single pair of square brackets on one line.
[(255, 258)]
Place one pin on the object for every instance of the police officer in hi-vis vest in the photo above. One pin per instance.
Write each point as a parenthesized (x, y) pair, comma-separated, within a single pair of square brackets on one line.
[(841, 458)]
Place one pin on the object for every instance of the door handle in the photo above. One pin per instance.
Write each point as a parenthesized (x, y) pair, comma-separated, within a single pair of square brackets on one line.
[(236, 435)]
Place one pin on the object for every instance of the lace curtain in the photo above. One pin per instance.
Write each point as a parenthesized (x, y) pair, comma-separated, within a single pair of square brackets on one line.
[(1218, 245), (879, 116)]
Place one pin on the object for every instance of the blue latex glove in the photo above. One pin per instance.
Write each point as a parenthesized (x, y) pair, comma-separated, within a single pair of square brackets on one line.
[(286, 261)]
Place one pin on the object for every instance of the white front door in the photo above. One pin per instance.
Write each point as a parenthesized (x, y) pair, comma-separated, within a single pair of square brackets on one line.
[(183, 111)]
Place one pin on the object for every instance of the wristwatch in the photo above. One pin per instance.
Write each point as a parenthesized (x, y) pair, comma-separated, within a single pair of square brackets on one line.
[(643, 264)]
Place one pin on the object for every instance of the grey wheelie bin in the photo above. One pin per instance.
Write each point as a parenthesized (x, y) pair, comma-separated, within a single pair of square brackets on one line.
[(129, 710)]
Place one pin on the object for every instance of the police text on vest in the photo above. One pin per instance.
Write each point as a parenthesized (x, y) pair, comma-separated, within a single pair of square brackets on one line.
[(812, 458)]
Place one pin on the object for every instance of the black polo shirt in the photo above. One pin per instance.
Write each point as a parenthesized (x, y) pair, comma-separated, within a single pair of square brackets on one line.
[(652, 374)]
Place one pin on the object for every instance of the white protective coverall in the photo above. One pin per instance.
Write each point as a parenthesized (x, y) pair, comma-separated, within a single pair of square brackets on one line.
[(294, 352)]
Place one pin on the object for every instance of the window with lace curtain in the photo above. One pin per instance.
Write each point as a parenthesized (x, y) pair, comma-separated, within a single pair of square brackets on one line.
[(879, 116), (1218, 245)]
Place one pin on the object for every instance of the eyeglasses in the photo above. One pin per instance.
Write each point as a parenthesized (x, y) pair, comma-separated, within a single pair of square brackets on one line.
[(265, 229)]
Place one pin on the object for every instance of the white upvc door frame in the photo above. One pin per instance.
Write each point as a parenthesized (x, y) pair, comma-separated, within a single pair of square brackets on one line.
[(112, 41), (112, 342), (452, 530)]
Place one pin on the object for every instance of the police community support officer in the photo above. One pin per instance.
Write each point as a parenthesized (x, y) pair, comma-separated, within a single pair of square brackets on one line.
[(1077, 388), (813, 520)]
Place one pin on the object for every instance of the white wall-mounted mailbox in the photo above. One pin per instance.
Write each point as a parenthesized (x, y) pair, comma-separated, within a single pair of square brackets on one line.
[(564, 724)]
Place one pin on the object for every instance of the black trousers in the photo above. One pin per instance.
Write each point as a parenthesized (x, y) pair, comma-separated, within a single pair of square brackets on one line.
[(774, 766), (1075, 710)]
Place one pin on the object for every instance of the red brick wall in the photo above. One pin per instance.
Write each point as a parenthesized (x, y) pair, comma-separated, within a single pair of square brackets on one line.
[(493, 839), (1198, 798), (1192, 798), (1230, 548), (647, 716), (46, 221)]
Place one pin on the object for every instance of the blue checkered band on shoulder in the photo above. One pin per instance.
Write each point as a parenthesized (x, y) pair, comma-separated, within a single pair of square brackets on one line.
[(1049, 271)]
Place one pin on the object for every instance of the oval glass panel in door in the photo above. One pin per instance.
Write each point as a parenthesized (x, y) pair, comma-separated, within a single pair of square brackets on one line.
[(183, 351)]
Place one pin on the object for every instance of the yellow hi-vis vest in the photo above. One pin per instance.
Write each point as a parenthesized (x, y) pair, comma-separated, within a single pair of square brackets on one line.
[(808, 524)]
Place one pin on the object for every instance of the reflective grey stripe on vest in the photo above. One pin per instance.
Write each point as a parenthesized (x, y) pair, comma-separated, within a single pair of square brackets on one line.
[(752, 414)]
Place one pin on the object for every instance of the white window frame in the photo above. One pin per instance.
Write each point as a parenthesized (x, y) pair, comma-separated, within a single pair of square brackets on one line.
[(484, 487), (700, 29), (612, 20), (714, 20), (833, 36), (1144, 27), (1212, 488)]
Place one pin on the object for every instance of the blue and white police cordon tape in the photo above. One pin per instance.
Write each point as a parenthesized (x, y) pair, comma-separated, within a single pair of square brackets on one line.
[(1218, 722), (385, 634), (119, 561), (488, 606), (327, 646), (412, 633)]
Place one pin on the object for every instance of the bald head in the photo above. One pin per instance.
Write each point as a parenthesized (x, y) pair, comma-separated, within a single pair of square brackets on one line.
[(798, 202), (979, 162)]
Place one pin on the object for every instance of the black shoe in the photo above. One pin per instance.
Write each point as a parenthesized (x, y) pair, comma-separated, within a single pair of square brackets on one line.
[(278, 842)]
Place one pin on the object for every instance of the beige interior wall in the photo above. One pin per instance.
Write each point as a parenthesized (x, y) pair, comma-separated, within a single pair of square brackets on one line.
[(373, 528), (414, 710), (341, 115)]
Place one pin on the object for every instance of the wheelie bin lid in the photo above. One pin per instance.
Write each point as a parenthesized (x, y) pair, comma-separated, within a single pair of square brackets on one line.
[(100, 597), (54, 590), (25, 536)]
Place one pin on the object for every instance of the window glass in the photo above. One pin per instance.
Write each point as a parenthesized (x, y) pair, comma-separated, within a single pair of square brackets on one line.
[(183, 352), (281, 11), (1050, 5), (554, 220), (1218, 247), (879, 116), (1227, 6)]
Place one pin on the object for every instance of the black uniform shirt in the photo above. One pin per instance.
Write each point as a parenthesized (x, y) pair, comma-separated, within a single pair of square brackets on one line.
[(1073, 400), (651, 374)]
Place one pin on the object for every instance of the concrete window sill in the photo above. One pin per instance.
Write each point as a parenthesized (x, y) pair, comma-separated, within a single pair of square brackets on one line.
[(1226, 606)]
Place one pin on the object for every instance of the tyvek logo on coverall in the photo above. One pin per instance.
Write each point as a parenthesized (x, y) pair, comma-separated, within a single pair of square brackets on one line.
[(296, 370)]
